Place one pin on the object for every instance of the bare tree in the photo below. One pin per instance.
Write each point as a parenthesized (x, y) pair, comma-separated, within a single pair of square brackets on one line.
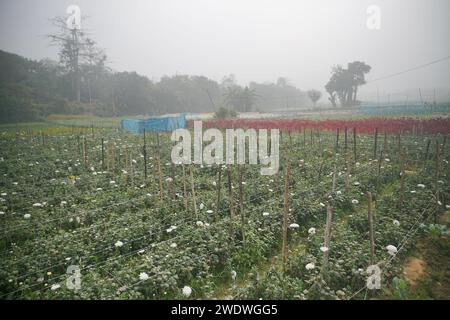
[(70, 42)]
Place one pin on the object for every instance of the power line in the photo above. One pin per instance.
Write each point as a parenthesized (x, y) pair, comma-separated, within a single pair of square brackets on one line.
[(410, 69)]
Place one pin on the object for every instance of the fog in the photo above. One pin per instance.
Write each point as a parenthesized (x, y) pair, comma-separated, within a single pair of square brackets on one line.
[(257, 40)]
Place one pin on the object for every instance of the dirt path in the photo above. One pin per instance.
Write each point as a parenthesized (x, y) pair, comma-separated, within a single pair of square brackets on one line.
[(427, 272)]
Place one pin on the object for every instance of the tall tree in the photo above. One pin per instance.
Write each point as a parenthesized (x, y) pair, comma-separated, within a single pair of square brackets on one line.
[(314, 95), (344, 83)]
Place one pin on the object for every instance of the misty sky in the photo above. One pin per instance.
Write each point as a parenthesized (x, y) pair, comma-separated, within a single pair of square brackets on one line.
[(257, 40)]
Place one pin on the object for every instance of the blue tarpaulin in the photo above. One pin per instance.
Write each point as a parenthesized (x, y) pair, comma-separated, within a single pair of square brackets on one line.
[(398, 109), (154, 124)]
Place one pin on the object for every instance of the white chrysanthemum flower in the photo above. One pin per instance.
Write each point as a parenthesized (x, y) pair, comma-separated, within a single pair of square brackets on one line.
[(324, 249), (201, 206), (143, 276), (233, 275), (294, 226), (63, 203), (214, 183), (312, 231), (169, 179), (55, 286), (340, 293), (439, 203), (187, 291), (413, 191), (266, 214), (354, 201), (112, 182), (420, 185), (392, 250), (310, 266), (2, 212), (338, 192), (209, 211), (173, 245), (27, 216), (199, 224), (38, 205), (396, 223), (356, 183), (118, 244), (322, 204), (99, 189)]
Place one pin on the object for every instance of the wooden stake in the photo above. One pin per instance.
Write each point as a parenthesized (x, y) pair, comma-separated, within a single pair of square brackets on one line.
[(402, 177), (375, 143), (337, 140), (230, 193), (371, 235), (185, 198), (219, 186), (241, 204), (158, 162), (85, 156), (345, 140), (427, 150), (436, 183), (145, 157), (103, 154), (354, 144), (193, 192), (286, 210), (327, 237)]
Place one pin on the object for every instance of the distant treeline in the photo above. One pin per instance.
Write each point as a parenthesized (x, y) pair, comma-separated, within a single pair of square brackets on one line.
[(31, 90)]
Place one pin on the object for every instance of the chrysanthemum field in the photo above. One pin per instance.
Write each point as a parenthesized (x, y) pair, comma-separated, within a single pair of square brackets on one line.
[(346, 210)]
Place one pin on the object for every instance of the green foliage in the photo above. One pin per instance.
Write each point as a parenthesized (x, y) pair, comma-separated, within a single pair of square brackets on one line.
[(224, 113), (399, 288)]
